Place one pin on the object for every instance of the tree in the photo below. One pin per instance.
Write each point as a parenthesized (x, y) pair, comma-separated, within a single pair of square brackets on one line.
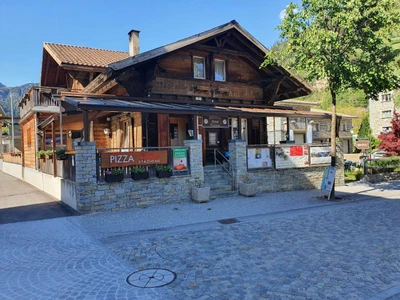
[(366, 132), (391, 140), (344, 41)]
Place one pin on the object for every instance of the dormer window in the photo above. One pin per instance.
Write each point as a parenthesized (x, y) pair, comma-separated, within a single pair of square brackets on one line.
[(199, 67), (220, 73)]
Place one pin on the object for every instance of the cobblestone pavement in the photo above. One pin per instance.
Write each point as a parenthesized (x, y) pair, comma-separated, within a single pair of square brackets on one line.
[(335, 254), (53, 259), (293, 245)]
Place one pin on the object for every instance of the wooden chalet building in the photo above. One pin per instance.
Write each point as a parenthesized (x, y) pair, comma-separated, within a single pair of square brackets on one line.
[(206, 87), (209, 85)]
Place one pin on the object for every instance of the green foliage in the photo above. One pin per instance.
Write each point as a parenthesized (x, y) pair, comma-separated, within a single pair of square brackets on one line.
[(346, 42), (114, 172), (138, 170), (163, 168), (59, 152), (49, 153), (41, 153), (4, 130), (365, 129)]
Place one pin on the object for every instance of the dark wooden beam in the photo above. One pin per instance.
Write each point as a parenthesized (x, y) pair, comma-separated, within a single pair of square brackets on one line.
[(86, 126), (53, 147)]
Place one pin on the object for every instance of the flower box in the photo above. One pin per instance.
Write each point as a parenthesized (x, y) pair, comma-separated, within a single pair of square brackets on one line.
[(61, 157), (140, 176), (200, 194), (163, 174), (114, 178)]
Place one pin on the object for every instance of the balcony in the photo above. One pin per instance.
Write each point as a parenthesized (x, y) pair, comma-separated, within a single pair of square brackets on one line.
[(39, 99)]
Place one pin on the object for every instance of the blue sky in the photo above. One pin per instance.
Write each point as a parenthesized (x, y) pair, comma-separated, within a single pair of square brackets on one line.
[(26, 24)]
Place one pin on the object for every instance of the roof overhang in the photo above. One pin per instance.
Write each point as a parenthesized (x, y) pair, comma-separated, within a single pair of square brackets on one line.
[(138, 105)]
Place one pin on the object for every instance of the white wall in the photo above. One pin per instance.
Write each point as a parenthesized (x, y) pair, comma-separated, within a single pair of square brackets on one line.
[(13, 170)]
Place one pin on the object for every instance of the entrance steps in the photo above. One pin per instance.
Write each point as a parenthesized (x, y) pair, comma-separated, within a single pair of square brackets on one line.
[(219, 181)]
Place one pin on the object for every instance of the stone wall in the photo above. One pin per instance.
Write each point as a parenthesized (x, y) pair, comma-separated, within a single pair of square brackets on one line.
[(382, 177), (271, 180), (92, 196)]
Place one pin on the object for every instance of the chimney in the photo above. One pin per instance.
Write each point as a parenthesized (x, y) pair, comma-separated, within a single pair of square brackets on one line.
[(134, 45)]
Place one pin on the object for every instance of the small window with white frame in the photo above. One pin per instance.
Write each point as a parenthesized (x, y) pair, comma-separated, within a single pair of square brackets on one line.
[(386, 97), (386, 114), (220, 72), (386, 129), (199, 67)]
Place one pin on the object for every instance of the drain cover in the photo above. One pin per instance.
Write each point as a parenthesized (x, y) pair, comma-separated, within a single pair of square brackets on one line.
[(151, 278), (228, 221)]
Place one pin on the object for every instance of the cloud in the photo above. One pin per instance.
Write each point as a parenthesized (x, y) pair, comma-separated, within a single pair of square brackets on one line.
[(282, 14)]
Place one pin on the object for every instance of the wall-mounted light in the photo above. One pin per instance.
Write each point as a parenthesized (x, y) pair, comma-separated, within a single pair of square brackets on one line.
[(191, 133), (70, 134), (107, 131)]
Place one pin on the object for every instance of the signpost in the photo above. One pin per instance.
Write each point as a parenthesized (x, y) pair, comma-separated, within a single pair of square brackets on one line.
[(362, 145)]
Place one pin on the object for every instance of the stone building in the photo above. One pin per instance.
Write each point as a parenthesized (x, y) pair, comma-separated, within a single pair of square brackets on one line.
[(381, 113)]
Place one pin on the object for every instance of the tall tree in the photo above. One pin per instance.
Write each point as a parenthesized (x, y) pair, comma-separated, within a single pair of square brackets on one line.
[(344, 41), (391, 140)]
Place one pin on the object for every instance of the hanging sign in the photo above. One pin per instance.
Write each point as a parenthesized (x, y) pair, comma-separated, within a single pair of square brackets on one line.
[(142, 158), (214, 121)]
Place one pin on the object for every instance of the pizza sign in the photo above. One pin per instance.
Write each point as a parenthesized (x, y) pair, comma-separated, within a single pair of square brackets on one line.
[(141, 158)]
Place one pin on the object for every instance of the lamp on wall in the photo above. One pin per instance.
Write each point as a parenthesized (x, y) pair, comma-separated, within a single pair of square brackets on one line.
[(191, 133), (70, 134), (107, 131)]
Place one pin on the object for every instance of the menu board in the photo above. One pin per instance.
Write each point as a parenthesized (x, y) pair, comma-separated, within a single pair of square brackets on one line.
[(291, 157), (259, 158), (320, 155), (180, 159)]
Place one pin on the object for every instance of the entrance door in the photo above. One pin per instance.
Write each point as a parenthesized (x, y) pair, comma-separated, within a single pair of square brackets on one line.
[(216, 138)]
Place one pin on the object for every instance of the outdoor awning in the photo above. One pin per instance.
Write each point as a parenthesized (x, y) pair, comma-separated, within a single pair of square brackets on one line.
[(125, 105)]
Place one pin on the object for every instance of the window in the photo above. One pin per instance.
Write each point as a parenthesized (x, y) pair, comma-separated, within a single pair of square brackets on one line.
[(386, 114), (220, 74), (29, 137), (386, 97), (199, 67), (386, 129), (315, 127)]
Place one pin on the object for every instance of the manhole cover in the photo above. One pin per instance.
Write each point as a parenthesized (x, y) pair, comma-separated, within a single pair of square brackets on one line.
[(151, 278), (228, 221)]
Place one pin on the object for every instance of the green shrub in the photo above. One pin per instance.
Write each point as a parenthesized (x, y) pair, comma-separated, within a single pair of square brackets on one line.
[(163, 168)]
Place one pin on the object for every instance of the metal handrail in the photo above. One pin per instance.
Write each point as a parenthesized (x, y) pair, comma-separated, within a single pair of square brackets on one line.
[(230, 170)]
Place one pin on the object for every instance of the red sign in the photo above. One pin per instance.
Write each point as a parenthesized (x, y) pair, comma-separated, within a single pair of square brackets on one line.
[(142, 158), (362, 145)]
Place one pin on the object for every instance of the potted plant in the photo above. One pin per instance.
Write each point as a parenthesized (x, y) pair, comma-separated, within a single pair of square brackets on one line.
[(138, 173), (41, 154), (60, 154), (200, 193), (114, 175), (49, 154), (163, 171), (247, 187)]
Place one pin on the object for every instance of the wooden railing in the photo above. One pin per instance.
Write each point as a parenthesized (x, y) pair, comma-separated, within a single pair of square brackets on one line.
[(13, 158), (65, 168)]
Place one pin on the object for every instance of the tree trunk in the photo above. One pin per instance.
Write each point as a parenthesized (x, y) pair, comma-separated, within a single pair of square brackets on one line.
[(333, 140)]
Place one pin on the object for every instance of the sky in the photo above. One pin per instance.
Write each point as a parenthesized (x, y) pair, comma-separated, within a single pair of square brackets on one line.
[(26, 24)]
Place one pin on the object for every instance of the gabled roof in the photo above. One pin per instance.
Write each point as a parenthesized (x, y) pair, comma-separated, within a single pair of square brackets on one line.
[(83, 56), (142, 57)]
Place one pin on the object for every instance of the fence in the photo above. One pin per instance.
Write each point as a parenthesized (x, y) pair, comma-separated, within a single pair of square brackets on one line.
[(65, 168), (177, 158), (287, 156), (13, 158)]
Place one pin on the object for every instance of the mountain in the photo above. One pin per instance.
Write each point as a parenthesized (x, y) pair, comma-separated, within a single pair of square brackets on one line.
[(17, 92)]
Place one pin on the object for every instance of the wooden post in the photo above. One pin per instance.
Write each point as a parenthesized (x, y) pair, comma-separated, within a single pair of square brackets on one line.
[(53, 147), (86, 126)]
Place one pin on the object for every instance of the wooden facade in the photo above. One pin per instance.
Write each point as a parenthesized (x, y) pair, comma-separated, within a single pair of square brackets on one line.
[(217, 70)]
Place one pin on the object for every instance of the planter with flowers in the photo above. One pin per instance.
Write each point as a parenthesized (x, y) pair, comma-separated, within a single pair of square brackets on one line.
[(114, 175), (60, 154), (163, 171), (138, 173), (41, 154), (49, 154)]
